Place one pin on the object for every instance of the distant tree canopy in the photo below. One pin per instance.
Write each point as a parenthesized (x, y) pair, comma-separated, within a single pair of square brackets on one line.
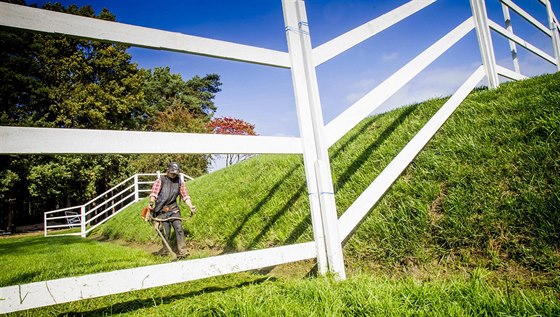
[(229, 125), (57, 81)]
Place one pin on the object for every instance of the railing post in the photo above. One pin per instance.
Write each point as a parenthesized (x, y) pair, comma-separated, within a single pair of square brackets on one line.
[(480, 16), (555, 36), (83, 220), (315, 149), (45, 223), (136, 193), (512, 46)]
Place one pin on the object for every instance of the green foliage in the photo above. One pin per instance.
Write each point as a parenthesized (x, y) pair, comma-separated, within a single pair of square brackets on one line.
[(174, 105), (165, 90)]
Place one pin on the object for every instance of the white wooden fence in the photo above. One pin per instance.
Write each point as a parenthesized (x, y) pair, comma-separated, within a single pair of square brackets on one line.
[(99, 210), (316, 137)]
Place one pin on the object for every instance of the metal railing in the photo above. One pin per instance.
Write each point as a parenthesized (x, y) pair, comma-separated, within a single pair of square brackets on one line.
[(83, 219)]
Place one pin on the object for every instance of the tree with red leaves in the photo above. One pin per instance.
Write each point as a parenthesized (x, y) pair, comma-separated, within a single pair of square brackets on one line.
[(229, 125)]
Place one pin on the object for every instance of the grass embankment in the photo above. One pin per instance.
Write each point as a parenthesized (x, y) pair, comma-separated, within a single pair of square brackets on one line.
[(471, 227), (484, 192)]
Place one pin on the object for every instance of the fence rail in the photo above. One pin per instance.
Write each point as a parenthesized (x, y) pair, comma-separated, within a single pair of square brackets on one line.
[(62, 222)]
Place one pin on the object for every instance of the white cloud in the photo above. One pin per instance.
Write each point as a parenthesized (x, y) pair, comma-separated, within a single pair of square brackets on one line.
[(390, 56), (429, 84)]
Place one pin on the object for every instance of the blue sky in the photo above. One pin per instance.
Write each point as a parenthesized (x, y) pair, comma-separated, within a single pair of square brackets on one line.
[(264, 96)]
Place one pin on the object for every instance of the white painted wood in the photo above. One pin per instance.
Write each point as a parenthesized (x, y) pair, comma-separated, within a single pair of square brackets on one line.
[(306, 90), (535, 50), (351, 38), (553, 33), (480, 16), (545, 3), (361, 206), (509, 73), (59, 141), (375, 98), (512, 47), (529, 18), (333, 242), (32, 295), (23, 17)]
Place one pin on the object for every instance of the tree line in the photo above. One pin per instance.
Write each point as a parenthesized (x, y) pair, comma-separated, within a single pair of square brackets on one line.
[(57, 81)]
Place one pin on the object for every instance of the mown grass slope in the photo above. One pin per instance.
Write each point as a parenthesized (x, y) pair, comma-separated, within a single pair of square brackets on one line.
[(484, 191), (471, 228)]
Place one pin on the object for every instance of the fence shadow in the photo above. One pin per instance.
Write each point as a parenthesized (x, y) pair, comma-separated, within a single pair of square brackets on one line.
[(282, 211), (357, 163), (230, 245)]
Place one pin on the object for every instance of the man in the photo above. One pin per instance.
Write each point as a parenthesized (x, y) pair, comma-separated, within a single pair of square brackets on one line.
[(163, 203)]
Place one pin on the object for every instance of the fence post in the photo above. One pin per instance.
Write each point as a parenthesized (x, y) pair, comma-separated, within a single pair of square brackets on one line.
[(136, 193), (315, 149), (555, 36), (480, 16), (512, 46), (83, 220)]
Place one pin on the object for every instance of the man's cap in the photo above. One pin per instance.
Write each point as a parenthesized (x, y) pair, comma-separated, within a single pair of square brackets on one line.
[(173, 167)]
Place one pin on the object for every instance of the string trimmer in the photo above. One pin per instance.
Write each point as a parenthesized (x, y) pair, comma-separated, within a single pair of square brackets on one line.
[(155, 223)]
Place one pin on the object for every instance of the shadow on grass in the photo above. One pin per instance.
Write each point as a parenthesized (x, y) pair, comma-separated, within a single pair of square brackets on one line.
[(357, 164), (133, 305), (298, 193), (37, 244), (230, 244)]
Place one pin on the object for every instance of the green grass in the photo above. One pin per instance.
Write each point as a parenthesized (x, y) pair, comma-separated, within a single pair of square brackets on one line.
[(470, 228), (36, 258), (361, 295)]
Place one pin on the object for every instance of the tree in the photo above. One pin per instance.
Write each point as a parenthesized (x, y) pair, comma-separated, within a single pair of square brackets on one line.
[(229, 125), (175, 105), (57, 81)]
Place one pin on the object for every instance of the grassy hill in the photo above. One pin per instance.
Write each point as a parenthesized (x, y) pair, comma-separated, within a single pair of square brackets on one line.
[(484, 192), (471, 228)]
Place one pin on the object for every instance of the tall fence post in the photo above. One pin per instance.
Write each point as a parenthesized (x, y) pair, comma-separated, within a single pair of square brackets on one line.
[(480, 16), (315, 149), (83, 220), (555, 36)]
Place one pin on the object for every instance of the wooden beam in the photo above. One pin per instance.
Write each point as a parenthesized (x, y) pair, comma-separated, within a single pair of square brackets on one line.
[(375, 98), (27, 18), (361, 206), (351, 38), (45, 293), (24, 140)]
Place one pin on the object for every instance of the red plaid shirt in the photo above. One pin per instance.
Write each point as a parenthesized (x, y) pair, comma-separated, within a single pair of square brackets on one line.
[(156, 187)]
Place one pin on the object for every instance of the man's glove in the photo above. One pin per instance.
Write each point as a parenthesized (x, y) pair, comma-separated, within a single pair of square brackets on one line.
[(152, 205), (146, 214), (193, 210)]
